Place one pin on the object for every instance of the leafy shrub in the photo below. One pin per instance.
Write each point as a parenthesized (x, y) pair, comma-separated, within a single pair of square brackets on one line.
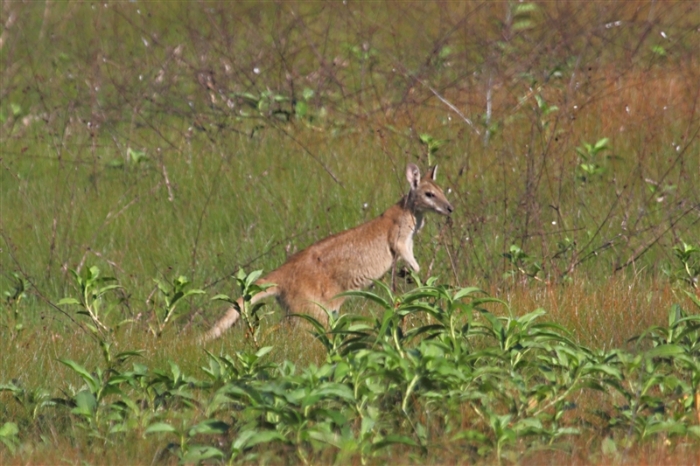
[(432, 368)]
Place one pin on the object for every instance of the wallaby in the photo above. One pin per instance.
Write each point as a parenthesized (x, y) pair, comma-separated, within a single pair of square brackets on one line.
[(349, 260)]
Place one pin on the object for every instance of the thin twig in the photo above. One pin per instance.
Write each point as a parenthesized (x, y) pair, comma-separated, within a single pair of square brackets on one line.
[(167, 181), (644, 248), (449, 104)]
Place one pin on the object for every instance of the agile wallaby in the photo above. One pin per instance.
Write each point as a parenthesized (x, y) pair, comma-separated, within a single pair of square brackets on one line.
[(349, 260)]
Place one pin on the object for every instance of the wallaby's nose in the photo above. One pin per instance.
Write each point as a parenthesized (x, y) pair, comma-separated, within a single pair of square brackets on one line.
[(449, 208)]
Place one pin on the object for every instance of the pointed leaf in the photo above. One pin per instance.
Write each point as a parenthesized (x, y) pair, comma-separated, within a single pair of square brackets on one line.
[(65, 301), (198, 453), (92, 382), (209, 427), (159, 427)]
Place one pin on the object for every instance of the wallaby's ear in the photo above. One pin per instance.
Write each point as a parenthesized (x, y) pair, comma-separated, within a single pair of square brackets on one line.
[(413, 175), (432, 174)]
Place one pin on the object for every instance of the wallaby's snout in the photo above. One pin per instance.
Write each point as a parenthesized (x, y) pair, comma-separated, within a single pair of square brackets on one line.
[(441, 206), (448, 209)]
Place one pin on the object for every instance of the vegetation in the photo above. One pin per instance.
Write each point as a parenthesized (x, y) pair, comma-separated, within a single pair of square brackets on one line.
[(152, 151)]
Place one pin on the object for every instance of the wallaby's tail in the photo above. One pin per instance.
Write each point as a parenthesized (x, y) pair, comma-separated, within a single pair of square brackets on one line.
[(232, 315)]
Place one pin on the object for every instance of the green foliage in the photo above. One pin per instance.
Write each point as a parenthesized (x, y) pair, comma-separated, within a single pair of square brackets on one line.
[(521, 263), (9, 436), (92, 289), (267, 104), (32, 401), (591, 165), (13, 319), (520, 14), (170, 297), (432, 145), (433, 362), (252, 315), (659, 384), (688, 271)]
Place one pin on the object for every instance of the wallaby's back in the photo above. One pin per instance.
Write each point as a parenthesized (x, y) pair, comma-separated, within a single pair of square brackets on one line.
[(351, 259)]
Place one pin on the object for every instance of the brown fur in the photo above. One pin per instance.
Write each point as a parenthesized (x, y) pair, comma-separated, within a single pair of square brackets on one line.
[(351, 259)]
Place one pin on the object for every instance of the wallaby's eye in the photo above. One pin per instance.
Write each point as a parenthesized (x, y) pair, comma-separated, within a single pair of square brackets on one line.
[(429, 194)]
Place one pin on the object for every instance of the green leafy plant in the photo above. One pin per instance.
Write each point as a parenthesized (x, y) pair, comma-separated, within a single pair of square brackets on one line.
[(93, 288), (591, 163), (32, 400), (361, 53), (171, 297), (519, 15), (13, 300), (251, 315), (522, 263), (689, 268), (266, 104), (9, 436), (87, 402), (187, 451), (545, 110), (225, 369), (432, 145), (434, 361), (301, 106)]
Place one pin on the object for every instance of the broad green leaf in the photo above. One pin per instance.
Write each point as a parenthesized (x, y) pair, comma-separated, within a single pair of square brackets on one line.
[(367, 425), (91, 381), (307, 93), (252, 277), (470, 434), (8, 436), (663, 351), (601, 144), (221, 297), (462, 292), (159, 427), (669, 427), (301, 108), (607, 369), (263, 351), (250, 438), (392, 440), (198, 453), (209, 427), (192, 292), (367, 295), (65, 301), (527, 318), (9, 429), (85, 403)]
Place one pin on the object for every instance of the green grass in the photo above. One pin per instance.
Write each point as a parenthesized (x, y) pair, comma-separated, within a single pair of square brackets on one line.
[(155, 140)]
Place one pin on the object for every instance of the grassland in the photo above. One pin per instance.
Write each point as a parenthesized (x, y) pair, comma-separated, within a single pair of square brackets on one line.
[(162, 140)]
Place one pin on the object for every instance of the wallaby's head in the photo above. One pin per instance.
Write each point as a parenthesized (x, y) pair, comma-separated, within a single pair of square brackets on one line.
[(425, 195)]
